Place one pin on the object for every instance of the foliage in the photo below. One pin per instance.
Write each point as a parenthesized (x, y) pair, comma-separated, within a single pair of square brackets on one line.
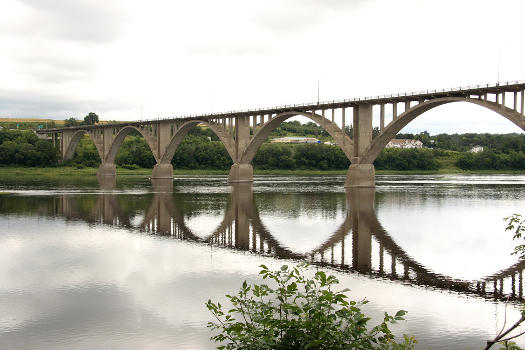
[(516, 223), (198, 152), (135, 153), (295, 128), (201, 149), (86, 154), (499, 143), (91, 119), (406, 159), (299, 313), (23, 147), (489, 159), (509, 345), (300, 156), (72, 122)]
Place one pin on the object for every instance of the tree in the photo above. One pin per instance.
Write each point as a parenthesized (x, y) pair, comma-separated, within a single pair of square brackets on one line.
[(71, 122), (515, 223), (91, 118), (299, 313)]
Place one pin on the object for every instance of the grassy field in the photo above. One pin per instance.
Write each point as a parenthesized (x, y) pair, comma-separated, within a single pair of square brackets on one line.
[(30, 120), (62, 172)]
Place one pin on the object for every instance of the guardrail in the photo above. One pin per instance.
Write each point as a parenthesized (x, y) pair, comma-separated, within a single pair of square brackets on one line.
[(310, 104)]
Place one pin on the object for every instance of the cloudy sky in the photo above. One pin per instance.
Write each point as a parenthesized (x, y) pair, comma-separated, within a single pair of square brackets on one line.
[(127, 59)]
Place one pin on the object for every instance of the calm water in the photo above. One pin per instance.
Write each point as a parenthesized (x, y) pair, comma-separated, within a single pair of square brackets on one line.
[(129, 265)]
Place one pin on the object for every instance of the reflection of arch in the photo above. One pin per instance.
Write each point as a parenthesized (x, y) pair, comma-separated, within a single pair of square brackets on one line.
[(183, 130), (243, 229), (331, 128), (234, 229), (72, 146), (400, 122), (119, 139), (163, 217)]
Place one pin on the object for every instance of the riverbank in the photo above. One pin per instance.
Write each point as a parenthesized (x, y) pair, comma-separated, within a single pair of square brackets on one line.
[(11, 172)]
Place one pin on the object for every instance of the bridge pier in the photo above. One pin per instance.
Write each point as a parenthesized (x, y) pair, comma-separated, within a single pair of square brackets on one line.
[(162, 171), (361, 204), (107, 169), (107, 183), (360, 175), (241, 173)]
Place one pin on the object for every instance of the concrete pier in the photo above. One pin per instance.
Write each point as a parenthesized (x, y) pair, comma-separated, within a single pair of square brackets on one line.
[(241, 173), (106, 169), (162, 171), (360, 175)]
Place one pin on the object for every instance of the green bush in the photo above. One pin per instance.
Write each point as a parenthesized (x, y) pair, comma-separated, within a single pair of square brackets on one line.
[(130, 166), (23, 148), (406, 159), (491, 160), (299, 313)]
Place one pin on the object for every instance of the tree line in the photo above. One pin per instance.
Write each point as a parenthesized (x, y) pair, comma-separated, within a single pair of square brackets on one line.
[(24, 148), (201, 149)]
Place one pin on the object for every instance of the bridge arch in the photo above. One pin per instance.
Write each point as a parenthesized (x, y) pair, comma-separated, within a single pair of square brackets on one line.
[(119, 139), (183, 130), (342, 140), (71, 146), (380, 142)]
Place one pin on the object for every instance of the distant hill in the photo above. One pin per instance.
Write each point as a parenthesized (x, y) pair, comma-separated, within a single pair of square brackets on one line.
[(30, 120)]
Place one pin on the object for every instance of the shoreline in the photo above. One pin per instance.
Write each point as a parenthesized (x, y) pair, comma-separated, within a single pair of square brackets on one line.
[(72, 171)]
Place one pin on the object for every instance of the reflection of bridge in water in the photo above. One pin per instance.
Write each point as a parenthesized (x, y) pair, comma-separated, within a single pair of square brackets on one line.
[(349, 247)]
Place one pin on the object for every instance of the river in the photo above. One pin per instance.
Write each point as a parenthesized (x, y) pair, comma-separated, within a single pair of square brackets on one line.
[(129, 265)]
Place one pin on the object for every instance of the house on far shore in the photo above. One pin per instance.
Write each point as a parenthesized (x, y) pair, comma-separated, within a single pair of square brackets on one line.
[(404, 143), (295, 140), (476, 149)]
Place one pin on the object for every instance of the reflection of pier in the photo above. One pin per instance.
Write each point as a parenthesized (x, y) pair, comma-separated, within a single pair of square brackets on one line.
[(359, 244)]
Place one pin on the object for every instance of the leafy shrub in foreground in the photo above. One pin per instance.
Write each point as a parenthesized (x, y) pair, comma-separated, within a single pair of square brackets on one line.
[(299, 313)]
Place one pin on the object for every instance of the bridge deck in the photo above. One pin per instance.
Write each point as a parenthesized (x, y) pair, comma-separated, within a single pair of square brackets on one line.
[(478, 90)]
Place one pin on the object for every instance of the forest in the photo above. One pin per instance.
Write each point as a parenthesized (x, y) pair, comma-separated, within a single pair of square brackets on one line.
[(201, 149)]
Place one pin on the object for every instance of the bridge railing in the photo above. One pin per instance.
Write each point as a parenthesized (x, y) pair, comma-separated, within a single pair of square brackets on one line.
[(313, 104)]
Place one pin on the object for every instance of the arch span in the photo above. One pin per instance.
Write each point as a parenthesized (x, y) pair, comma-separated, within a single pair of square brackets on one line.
[(183, 130), (119, 139), (400, 122), (73, 143), (332, 129)]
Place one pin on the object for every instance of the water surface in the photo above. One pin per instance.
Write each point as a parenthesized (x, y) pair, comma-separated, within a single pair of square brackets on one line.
[(130, 265)]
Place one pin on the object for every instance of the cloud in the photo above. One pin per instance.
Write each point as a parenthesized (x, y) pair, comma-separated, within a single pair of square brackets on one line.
[(33, 103), (246, 48), (298, 15), (53, 63), (87, 21), (50, 42)]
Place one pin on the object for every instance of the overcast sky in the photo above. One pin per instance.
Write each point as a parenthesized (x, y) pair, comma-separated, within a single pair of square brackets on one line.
[(124, 59)]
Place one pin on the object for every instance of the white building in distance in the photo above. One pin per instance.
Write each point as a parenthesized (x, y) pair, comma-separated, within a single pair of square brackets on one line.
[(295, 140), (404, 143), (476, 149)]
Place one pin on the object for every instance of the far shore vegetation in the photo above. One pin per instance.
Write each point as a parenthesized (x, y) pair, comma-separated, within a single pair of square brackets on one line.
[(70, 171), (23, 153)]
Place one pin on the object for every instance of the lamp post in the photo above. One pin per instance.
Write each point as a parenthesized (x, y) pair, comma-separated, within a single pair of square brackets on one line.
[(317, 91)]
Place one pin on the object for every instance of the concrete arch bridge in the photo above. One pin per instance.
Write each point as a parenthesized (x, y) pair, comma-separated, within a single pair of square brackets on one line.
[(243, 132)]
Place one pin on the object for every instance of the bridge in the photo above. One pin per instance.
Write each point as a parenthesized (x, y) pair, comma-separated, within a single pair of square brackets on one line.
[(243, 132), (349, 248)]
